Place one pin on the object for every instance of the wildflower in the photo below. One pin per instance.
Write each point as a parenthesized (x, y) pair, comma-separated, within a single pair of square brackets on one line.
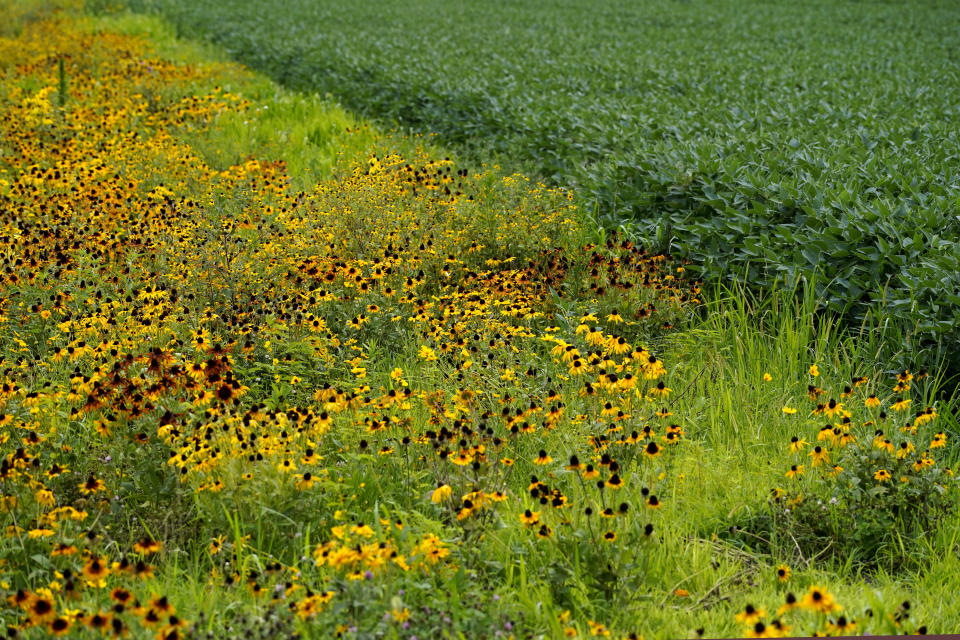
[(542, 458), (305, 481), (64, 549), (216, 545), (661, 390), (797, 444), (819, 599), (882, 475), (832, 408), (819, 455), (788, 410), (750, 614), (767, 377), (842, 625), (814, 371), (529, 517), (92, 485), (40, 609), (120, 595), (762, 630), (901, 405), (790, 604), (147, 546), (441, 493), (96, 569), (99, 621), (906, 448), (59, 626), (783, 573)]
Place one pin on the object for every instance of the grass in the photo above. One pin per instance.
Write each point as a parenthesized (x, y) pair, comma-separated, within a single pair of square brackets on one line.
[(273, 372), (766, 142)]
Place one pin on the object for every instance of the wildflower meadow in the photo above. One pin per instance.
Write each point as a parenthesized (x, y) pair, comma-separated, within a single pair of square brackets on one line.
[(270, 369)]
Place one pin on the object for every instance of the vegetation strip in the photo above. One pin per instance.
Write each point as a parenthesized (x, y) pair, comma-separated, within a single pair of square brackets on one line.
[(408, 400)]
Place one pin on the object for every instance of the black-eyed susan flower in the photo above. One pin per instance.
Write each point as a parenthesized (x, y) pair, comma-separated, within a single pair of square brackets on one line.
[(59, 626), (820, 600), (783, 573), (842, 625), (750, 615), (791, 602), (819, 455), (91, 485), (797, 444), (147, 546), (99, 621), (39, 608), (901, 405), (96, 569), (542, 458), (530, 518)]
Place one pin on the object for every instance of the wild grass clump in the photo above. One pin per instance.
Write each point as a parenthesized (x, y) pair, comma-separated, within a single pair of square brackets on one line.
[(863, 487)]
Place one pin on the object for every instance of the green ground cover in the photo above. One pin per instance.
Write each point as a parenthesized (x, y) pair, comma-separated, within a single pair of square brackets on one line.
[(268, 371), (766, 140)]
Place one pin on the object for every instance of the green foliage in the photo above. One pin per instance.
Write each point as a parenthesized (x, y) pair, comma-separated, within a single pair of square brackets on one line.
[(763, 141), (239, 551), (866, 488)]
